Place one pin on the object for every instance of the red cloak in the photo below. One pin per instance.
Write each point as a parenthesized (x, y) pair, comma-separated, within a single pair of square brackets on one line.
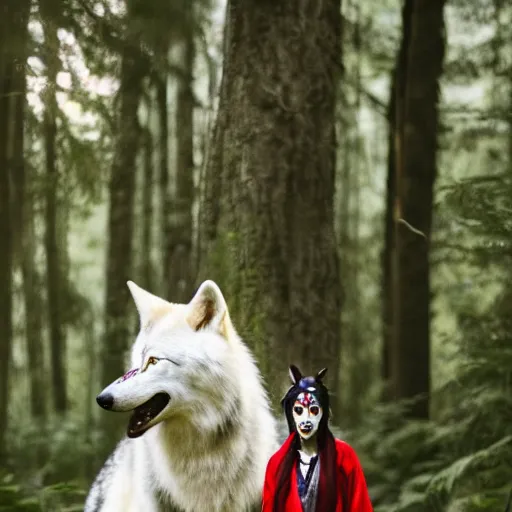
[(346, 460)]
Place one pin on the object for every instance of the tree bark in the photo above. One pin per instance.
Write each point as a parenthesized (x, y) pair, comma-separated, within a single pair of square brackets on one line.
[(510, 111), (393, 207), (55, 278), (118, 303), (181, 226), (211, 179), (273, 248), (32, 293), (147, 206), (355, 378), (358, 374), (417, 92), (163, 178), (13, 42), (388, 250), (34, 307), (388, 261)]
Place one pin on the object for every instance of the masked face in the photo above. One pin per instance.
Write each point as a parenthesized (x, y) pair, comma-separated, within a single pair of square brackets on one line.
[(307, 414)]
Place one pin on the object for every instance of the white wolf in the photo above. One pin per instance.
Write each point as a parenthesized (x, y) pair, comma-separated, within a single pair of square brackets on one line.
[(201, 432)]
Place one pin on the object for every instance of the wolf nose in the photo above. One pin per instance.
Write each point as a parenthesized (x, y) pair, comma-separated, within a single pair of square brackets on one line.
[(105, 400)]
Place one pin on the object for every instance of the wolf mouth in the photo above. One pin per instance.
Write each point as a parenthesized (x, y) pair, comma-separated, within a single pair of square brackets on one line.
[(146, 412)]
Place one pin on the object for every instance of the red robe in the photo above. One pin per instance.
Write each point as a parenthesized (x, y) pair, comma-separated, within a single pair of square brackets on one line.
[(346, 459)]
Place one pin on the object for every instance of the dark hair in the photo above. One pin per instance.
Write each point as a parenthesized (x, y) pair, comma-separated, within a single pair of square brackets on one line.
[(328, 481)]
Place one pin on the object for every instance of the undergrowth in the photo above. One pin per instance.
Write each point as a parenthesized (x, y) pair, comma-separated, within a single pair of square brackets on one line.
[(461, 460)]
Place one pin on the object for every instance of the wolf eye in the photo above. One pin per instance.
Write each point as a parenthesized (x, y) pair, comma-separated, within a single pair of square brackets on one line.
[(298, 409), (314, 410), (151, 360)]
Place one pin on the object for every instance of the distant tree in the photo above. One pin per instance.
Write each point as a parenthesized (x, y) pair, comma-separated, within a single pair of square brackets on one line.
[(162, 98), (147, 206), (55, 277), (180, 284), (414, 125), (13, 43), (118, 304), (33, 296), (389, 260), (267, 213)]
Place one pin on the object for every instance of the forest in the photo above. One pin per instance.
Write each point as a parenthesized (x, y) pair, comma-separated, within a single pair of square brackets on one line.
[(342, 169)]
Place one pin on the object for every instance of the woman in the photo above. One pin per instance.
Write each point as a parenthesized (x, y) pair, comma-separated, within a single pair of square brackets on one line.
[(313, 471)]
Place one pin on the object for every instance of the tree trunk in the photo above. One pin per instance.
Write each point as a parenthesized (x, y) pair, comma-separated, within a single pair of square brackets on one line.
[(13, 42), (204, 150), (147, 206), (50, 11), (358, 375), (34, 306), (24, 199), (345, 189), (163, 176), (211, 186), (118, 304), (354, 381), (388, 259), (6, 70), (355, 370), (415, 167), (180, 282), (510, 120), (273, 250), (509, 110), (32, 292)]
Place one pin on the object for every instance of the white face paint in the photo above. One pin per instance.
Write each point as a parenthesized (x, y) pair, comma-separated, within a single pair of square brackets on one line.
[(307, 414)]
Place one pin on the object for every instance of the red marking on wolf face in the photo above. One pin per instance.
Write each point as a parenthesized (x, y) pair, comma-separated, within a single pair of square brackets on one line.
[(127, 375)]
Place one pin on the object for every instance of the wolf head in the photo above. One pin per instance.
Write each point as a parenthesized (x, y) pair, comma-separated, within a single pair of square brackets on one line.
[(180, 363)]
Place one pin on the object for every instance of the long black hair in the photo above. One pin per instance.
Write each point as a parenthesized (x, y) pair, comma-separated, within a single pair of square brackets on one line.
[(327, 491)]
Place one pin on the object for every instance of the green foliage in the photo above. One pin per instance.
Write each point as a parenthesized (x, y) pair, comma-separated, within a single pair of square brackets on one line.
[(416, 469), (46, 466), (48, 453), (64, 497), (479, 471), (459, 461)]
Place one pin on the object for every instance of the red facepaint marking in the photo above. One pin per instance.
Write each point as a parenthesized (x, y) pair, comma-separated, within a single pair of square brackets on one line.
[(127, 375), (307, 399)]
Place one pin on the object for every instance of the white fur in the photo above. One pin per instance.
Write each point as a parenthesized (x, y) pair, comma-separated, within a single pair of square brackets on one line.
[(215, 382)]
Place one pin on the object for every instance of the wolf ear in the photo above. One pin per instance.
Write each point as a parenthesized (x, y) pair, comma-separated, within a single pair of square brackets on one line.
[(146, 303), (321, 374), (295, 374), (207, 308)]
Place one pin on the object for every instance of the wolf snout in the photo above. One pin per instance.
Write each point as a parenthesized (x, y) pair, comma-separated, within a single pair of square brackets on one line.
[(105, 400)]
